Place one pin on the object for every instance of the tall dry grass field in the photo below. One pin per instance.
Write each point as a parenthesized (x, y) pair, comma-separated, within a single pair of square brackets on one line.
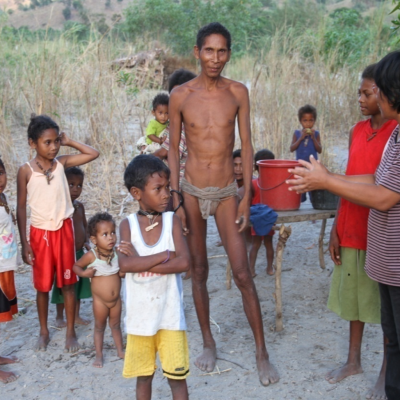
[(74, 84)]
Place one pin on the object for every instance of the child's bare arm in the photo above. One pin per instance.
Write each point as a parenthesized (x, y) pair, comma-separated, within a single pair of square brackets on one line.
[(181, 261), (87, 153), (87, 241), (296, 142), (317, 142), (155, 139), (23, 176), (83, 262), (129, 260)]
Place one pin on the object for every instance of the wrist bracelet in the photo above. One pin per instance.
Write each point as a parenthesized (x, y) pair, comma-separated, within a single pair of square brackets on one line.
[(180, 199), (167, 259)]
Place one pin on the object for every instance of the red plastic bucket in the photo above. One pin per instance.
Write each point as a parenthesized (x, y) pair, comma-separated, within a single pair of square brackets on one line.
[(273, 187)]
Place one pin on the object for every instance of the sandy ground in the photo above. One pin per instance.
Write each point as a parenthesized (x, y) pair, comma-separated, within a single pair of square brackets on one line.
[(314, 339)]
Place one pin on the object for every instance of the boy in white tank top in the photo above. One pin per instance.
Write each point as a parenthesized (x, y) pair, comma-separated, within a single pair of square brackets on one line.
[(153, 253)]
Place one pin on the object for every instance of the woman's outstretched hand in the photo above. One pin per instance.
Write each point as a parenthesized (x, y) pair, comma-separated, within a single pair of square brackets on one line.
[(311, 176)]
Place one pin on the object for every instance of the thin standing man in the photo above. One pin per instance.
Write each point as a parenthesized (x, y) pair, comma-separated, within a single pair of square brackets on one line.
[(208, 106)]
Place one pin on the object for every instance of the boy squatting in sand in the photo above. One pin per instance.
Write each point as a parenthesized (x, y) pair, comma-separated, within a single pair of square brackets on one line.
[(8, 264), (209, 166), (381, 193), (353, 295), (101, 266), (155, 319), (41, 183), (157, 125), (75, 177)]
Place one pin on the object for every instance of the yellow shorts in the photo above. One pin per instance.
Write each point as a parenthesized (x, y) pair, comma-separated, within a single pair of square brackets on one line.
[(172, 348)]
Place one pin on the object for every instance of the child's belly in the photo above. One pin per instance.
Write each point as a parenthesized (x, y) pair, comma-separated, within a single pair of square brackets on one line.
[(107, 288)]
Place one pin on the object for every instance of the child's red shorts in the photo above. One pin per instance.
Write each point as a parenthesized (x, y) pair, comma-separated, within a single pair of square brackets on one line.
[(270, 233), (54, 253)]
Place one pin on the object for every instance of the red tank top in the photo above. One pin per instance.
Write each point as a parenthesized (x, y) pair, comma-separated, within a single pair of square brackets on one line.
[(364, 158)]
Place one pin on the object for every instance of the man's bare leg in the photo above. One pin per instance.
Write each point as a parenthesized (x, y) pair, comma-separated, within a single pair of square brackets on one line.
[(42, 302), (270, 254), (255, 247), (71, 342), (236, 249), (199, 269), (353, 363), (60, 321)]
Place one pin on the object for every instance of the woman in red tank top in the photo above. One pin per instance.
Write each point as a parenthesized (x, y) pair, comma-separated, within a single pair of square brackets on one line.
[(353, 295)]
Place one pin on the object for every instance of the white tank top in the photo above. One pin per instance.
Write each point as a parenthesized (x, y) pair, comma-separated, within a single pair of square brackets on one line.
[(153, 301), (103, 268), (50, 203)]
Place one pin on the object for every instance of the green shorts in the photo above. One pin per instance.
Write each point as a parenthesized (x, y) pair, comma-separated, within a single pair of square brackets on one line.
[(354, 296), (82, 287)]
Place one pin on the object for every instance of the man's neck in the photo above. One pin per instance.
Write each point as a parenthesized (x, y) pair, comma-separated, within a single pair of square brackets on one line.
[(209, 83)]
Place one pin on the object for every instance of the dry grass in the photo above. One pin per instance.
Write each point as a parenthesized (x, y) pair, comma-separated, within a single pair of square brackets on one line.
[(76, 86)]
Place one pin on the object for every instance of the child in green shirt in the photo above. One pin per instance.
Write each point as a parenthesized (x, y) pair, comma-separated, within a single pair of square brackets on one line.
[(160, 121)]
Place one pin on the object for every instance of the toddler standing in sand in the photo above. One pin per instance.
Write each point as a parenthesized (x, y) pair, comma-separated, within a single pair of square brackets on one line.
[(75, 178), (41, 183), (101, 265), (8, 264), (157, 254)]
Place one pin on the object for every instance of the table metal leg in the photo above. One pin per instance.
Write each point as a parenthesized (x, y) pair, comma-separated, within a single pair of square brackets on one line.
[(284, 234), (321, 244), (228, 282)]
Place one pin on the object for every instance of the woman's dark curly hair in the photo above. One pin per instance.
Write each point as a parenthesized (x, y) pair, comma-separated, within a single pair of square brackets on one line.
[(97, 218)]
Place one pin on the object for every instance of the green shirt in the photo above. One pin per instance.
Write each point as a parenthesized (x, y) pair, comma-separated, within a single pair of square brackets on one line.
[(154, 128)]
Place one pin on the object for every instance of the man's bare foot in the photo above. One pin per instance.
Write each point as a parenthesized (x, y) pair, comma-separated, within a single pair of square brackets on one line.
[(343, 372), (7, 377), (81, 321), (60, 323), (71, 345), (42, 342), (378, 391), (267, 373), (8, 360), (98, 361), (206, 361), (270, 271)]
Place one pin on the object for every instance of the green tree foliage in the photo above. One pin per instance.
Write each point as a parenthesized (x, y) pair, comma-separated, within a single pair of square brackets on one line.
[(66, 13), (396, 21)]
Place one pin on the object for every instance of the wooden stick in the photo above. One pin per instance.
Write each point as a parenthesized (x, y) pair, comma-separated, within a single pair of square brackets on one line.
[(321, 244), (233, 362), (284, 234), (217, 372), (228, 276)]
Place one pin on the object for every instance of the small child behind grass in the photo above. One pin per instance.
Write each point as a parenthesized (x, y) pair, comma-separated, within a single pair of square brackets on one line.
[(157, 125), (75, 177), (263, 154), (101, 265), (306, 142)]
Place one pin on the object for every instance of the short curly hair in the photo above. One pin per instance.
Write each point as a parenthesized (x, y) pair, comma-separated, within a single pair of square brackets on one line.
[(307, 109), (162, 99), (96, 219), (139, 170), (387, 78), (179, 77), (74, 171), (39, 124), (214, 28), (369, 72)]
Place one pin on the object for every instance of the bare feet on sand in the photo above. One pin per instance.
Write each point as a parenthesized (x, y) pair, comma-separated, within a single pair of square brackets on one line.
[(60, 323), (7, 377), (71, 344), (267, 373), (270, 270), (43, 341), (343, 372), (98, 361), (206, 361), (8, 360), (121, 354), (81, 321), (378, 391)]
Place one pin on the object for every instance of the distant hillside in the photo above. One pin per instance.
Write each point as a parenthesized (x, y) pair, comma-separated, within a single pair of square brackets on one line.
[(52, 15)]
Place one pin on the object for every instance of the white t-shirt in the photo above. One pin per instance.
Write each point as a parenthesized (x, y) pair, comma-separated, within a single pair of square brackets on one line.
[(8, 242), (153, 301)]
